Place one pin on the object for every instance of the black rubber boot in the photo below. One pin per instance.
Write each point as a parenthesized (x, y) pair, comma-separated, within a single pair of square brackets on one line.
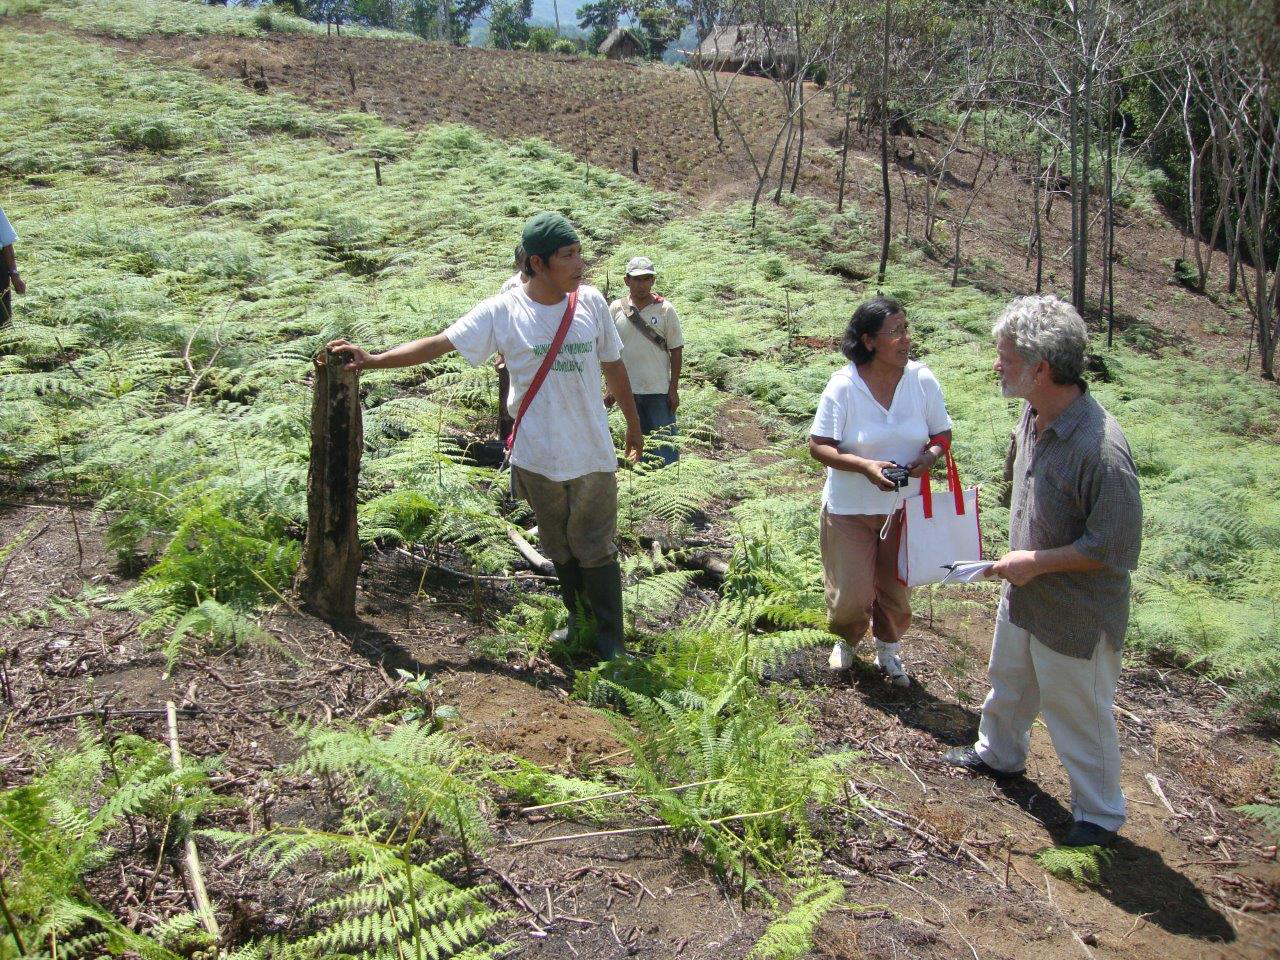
[(571, 592), (604, 592)]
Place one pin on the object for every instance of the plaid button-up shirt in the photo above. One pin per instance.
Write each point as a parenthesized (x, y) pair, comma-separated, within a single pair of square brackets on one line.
[(1075, 485)]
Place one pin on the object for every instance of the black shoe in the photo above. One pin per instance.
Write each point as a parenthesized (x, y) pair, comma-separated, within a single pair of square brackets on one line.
[(571, 592), (1086, 834), (968, 758), (603, 587)]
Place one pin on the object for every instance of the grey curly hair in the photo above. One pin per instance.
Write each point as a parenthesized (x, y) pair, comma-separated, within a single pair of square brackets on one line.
[(1046, 328)]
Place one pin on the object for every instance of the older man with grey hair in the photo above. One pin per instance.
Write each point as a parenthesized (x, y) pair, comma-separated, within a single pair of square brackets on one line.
[(1075, 529)]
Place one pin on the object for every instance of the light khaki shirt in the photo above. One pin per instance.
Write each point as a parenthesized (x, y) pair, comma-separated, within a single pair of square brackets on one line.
[(648, 365)]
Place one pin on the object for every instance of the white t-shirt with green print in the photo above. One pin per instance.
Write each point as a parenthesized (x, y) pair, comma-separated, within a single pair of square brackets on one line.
[(565, 432)]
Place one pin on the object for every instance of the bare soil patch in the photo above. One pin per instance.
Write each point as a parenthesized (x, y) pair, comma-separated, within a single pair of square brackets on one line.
[(941, 867)]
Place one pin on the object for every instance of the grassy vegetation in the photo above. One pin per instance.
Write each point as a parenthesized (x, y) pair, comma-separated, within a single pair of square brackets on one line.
[(191, 246), (138, 18)]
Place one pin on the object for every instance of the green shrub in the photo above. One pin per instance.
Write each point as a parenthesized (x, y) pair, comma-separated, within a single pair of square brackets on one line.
[(148, 133), (541, 40)]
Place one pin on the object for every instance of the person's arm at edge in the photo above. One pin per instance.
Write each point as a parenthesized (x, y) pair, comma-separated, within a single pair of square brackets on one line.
[(619, 384), (10, 264), (406, 355), (673, 392)]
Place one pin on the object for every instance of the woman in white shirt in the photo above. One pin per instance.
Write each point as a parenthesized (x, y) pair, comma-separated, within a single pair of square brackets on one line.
[(882, 410)]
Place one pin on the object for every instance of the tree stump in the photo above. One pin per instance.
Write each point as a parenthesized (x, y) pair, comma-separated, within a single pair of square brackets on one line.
[(326, 578)]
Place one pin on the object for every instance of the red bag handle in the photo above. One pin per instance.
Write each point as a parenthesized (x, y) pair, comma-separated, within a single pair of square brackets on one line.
[(556, 343), (953, 481)]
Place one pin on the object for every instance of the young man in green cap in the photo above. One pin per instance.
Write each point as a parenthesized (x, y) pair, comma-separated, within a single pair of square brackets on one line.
[(563, 460)]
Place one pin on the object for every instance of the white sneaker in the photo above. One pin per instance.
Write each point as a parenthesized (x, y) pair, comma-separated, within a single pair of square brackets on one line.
[(841, 656), (890, 663)]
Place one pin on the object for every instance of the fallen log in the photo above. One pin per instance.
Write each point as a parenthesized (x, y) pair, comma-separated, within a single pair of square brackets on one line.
[(531, 555)]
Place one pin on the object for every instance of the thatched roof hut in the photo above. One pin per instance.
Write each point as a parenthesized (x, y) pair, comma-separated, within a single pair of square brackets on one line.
[(621, 44), (746, 47)]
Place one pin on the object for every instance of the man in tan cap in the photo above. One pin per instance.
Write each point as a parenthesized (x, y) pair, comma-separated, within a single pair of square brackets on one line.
[(653, 350)]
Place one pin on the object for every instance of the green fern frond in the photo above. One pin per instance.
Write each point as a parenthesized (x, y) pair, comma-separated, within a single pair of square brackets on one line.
[(1266, 814), (790, 936), (1082, 865)]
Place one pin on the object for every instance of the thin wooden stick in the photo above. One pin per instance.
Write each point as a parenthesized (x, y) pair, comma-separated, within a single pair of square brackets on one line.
[(615, 793), (916, 830), (1154, 784), (194, 876), (657, 829)]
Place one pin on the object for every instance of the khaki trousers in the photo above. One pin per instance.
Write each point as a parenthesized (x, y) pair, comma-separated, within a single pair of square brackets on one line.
[(861, 575), (1077, 699), (577, 519)]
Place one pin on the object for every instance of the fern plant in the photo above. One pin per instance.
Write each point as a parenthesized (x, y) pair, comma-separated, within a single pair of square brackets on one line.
[(55, 832), (420, 772), (1268, 814), (1081, 865), (790, 936), (757, 783), (383, 897)]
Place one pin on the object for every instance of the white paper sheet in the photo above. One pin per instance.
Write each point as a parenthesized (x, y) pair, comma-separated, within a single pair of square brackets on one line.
[(967, 571)]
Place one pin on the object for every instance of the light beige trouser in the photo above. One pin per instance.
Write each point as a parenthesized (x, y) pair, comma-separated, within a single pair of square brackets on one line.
[(861, 575), (577, 519), (1076, 697)]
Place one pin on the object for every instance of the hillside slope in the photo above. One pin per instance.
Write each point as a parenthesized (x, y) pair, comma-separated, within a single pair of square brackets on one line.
[(193, 243)]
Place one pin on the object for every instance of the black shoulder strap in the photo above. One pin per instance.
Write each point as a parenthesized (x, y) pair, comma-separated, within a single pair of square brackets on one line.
[(654, 336)]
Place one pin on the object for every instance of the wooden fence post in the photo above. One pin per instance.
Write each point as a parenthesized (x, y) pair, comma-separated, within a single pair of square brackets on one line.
[(326, 578)]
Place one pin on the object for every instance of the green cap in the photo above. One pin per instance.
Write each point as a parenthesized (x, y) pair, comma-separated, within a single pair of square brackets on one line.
[(546, 233)]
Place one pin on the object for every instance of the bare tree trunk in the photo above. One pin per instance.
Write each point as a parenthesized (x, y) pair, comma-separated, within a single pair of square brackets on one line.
[(795, 177), (782, 167), (1105, 301), (326, 578), (1073, 147), (1086, 124), (884, 148), (1195, 176), (844, 150), (973, 197)]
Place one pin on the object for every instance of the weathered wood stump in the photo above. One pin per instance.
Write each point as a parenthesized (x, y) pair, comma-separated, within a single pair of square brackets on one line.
[(326, 578)]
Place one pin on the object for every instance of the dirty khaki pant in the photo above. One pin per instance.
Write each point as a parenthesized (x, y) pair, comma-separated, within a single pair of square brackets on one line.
[(1077, 700), (861, 575), (577, 519)]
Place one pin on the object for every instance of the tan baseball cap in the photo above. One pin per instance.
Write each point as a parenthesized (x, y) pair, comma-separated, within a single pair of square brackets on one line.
[(640, 267)]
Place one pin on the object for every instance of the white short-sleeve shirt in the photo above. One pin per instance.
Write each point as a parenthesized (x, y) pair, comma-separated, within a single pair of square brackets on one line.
[(849, 414), (7, 234), (565, 432)]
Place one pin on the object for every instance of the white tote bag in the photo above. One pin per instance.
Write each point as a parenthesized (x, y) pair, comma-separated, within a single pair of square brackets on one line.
[(938, 531)]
